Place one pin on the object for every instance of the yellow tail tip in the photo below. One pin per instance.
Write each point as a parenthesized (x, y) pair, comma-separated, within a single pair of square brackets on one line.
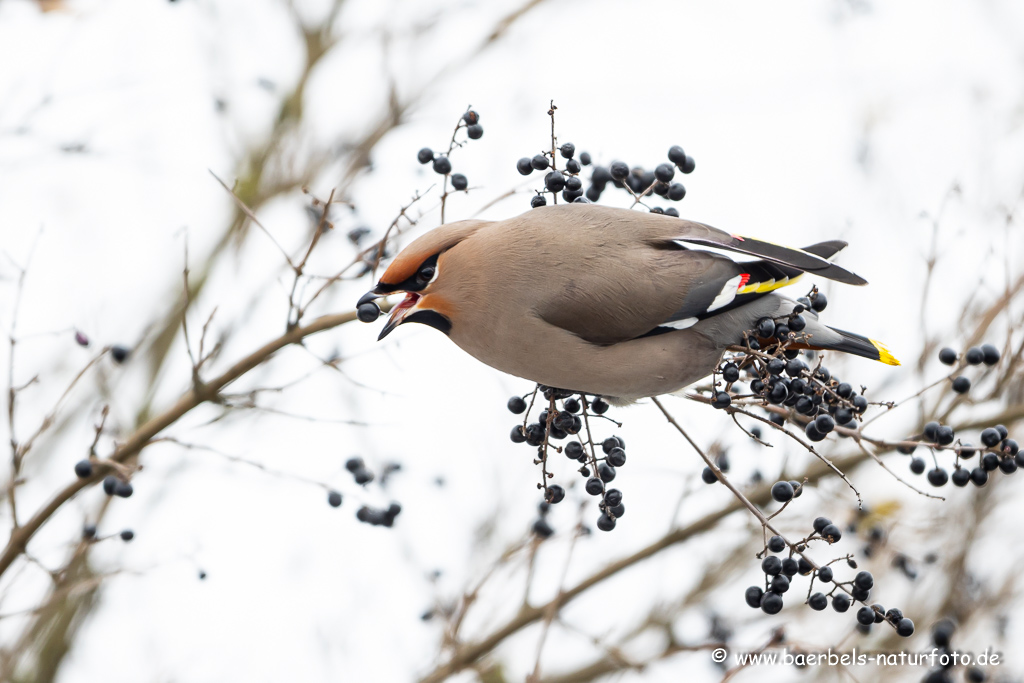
[(883, 353)]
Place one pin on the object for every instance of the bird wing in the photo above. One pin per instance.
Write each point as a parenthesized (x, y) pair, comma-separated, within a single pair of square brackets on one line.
[(699, 234), (639, 276)]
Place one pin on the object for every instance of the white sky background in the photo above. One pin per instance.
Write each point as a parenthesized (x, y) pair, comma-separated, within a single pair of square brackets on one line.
[(808, 121)]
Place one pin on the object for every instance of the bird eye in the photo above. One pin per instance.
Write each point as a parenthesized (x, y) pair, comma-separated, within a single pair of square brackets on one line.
[(425, 275)]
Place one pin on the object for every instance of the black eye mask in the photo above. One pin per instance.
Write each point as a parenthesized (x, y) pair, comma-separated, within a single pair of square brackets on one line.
[(424, 274)]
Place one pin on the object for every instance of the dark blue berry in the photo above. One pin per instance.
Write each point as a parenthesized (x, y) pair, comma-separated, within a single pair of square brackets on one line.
[(554, 181), (554, 494), (542, 529), (766, 328), (782, 491), (961, 477), (937, 477), (517, 434), (780, 584), (771, 603), (990, 354), (442, 165), (368, 312), (771, 565), (721, 400)]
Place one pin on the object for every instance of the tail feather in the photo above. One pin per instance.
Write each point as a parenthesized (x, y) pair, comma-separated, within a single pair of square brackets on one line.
[(861, 346), (826, 250)]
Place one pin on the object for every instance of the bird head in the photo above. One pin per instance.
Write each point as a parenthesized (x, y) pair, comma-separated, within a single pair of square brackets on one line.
[(427, 272)]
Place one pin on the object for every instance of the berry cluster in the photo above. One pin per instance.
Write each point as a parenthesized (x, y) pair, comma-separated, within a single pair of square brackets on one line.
[(441, 163), (641, 182), (638, 181), (997, 451), (359, 471), (379, 516), (976, 355), (118, 353), (89, 534), (363, 476), (948, 659), (565, 181), (599, 462), (779, 377), (779, 573), (114, 486)]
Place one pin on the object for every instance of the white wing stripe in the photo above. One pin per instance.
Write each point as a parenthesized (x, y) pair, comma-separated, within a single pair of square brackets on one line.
[(680, 324), (727, 294)]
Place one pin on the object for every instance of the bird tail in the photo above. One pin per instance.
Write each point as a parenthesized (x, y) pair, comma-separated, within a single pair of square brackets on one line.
[(857, 345), (849, 342)]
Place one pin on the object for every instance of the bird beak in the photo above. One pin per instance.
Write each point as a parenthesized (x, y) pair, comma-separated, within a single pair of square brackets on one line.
[(368, 297), (399, 313)]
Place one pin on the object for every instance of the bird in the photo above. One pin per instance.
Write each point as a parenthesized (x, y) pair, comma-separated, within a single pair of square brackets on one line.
[(617, 303)]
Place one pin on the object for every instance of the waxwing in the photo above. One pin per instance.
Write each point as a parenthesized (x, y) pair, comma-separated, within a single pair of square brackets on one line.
[(612, 302)]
